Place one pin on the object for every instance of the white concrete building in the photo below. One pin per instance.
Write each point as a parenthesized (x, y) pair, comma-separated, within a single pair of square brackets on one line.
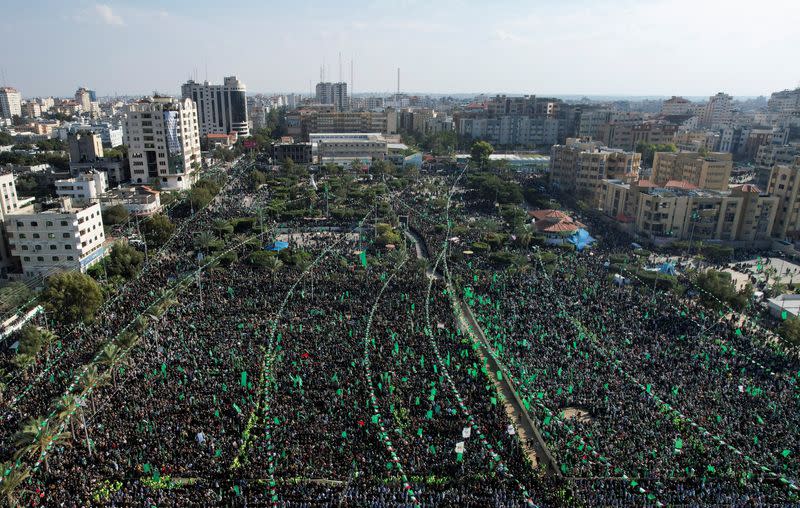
[(164, 142), (83, 189), (66, 238), (221, 109), (10, 102), (342, 148), (138, 200), (9, 203)]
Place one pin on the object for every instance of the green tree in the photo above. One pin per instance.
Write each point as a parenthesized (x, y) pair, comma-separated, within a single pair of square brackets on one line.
[(719, 286), (790, 330), (648, 150), (124, 261), (11, 489), (6, 139), (480, 152), (199, 197), (257, 179), (71, 297), (157, 229), (203, 241), (116, 214), (30, 340), (14, 295), (222, 228), (110, 357)]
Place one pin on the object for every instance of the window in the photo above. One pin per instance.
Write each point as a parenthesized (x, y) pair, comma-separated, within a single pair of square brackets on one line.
[(53, 247), (22, 235), (51, 235), (70, 258), (63, 223), (36, 235), (34, 223), (55, 258), (49, 223), (26, 258), (40, 258), (65, 235), (68, 247)]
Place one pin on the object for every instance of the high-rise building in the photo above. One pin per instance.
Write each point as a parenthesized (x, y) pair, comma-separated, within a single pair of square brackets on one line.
[(783, 183), (164, 142), (676, 106), (333, 93), (85, 146), (579, 166), (704, 171), (84, 99), (221, 109), (10, 102), (718, 111)]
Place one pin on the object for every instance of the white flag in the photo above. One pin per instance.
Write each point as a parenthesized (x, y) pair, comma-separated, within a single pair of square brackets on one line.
[(460, 447), (466, 432), (511, 430)]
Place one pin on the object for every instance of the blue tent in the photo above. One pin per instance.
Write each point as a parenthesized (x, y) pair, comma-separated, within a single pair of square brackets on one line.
[(667, 268), (581, 238), (276, 246)]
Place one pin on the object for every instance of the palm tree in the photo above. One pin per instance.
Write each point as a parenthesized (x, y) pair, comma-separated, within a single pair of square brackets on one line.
[(273, 264), (24, 362), (49, 438), (16, 476), (126, 340), (66, 407), (27, 437), (222, 227), (48, 339), (240, 239), (109, 357), (90, 379), (203, 241)]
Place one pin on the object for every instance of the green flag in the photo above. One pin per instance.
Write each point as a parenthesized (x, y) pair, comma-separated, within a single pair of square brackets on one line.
[(363, 257), (244, 378), (678, 444)]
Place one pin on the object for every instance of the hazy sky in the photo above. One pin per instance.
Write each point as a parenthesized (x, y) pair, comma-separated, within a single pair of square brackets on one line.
[(619, 47)]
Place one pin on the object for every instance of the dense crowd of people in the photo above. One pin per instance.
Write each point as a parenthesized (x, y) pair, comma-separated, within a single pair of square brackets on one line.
[(347, 379)]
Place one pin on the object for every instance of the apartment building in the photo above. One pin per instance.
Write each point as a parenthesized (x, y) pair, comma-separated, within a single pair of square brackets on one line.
[(705, 171), (627, 135), (784, 182), (326, 119), (84, 99), (83, 189), (9, 203), (579, 166), (718, 112), (676, 106), (66, 238), (164, 142), (10, 102), (334, 94), (85, 146), (221, 109), (679, 211)]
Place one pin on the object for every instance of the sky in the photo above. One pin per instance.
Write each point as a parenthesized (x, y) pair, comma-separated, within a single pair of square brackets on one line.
[(542, 47)]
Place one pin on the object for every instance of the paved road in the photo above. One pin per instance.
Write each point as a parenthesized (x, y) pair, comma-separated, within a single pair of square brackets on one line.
[(530, 437)]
